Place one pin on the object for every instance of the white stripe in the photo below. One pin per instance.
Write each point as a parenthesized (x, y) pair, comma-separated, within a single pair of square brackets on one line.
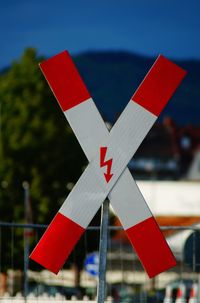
[(124, 139), (90, 191), (91, 131), (128, 202), (88, 126), (85, 198)]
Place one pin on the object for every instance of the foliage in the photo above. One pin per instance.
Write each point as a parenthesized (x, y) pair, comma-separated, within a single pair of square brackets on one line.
[(37, 145)]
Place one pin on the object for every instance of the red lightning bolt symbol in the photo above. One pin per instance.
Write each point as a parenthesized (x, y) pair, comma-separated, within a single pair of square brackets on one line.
[(107, 163)]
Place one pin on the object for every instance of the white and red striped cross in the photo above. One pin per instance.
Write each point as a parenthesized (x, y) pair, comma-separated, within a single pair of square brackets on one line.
[(108, 154)]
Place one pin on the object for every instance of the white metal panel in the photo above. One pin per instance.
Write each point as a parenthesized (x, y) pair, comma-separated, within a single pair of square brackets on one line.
[(91, 189), (91, 131), (128, 202), (88, 126), (124, 139)]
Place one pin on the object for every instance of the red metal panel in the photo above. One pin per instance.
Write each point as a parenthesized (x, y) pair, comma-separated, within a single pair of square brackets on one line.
[(152, 248), (69, 91), (57, 243), (159, 85)]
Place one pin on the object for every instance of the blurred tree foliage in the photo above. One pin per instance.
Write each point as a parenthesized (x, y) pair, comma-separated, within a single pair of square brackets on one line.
[(37, 145)]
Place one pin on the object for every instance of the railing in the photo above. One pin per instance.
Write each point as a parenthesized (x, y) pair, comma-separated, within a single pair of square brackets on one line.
[(21, 279)]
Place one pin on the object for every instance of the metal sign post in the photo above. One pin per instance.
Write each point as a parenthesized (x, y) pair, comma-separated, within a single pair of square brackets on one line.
[(103, 245)]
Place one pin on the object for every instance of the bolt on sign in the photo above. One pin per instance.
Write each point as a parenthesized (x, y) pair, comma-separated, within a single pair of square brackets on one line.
[(108, 154)]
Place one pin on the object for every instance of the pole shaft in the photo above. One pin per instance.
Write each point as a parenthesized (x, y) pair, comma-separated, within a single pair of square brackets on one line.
[(101, 292)]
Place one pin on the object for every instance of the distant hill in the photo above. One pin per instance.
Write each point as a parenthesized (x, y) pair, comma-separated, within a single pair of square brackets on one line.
[(112, 78)]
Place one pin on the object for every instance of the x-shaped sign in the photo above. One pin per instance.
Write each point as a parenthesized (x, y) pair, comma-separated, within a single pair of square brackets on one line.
[(108, 154)]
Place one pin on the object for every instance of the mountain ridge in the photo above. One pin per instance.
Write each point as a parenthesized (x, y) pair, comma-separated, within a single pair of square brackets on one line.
[(112, 77)]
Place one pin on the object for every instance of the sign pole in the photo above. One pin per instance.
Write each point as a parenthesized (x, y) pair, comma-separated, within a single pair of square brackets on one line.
[(103, 245)]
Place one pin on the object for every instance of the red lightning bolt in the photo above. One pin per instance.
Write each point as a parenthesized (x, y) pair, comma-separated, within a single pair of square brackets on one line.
[(107, 163)]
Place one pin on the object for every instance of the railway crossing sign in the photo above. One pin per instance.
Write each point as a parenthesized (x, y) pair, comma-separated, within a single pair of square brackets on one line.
[(107, 174)]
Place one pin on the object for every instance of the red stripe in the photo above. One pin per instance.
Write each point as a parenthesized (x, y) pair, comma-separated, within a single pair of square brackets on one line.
[(57, 243), (64, 80), (159, 85), (151, 247)]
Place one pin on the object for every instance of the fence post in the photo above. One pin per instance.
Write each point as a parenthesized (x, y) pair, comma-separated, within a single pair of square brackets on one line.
[(103, 245), (25, 186)]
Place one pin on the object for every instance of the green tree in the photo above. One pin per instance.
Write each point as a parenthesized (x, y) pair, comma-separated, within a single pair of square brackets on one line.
[(37, 145)]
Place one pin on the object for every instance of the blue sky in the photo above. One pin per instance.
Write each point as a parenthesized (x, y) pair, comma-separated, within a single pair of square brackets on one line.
[(148, 27)]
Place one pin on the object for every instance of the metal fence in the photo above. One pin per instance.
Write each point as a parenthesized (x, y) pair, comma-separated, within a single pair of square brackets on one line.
[(126, 281)]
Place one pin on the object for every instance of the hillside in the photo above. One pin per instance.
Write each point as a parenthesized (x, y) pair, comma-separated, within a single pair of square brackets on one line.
[(112, 78)]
